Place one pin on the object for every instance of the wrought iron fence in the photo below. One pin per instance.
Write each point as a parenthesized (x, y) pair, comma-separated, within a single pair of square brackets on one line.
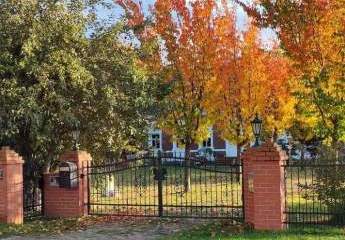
[(32, 191), (315, 192), (157, 186)]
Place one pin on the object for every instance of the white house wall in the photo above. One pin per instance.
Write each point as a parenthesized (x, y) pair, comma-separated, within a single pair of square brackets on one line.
[(230, 149)]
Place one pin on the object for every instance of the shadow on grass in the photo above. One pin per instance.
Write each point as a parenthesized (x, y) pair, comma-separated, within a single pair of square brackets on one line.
[(223, 231)]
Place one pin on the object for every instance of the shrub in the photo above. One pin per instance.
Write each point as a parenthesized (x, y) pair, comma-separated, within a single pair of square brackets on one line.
[(328, 183)]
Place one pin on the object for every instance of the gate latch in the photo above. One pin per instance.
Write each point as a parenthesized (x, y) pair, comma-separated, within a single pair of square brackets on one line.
[(159, 174)]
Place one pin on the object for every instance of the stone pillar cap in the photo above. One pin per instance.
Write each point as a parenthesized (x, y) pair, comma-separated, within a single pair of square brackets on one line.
[(8, 156), (268, 147)]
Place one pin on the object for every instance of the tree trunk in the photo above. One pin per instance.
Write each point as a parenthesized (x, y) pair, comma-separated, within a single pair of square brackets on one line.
[(187, 167), (238, 161), (335, 144), (275, 135), (238, 153), (302, 152)]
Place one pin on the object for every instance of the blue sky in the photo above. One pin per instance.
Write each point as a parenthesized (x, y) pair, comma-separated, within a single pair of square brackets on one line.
[(242, 19)]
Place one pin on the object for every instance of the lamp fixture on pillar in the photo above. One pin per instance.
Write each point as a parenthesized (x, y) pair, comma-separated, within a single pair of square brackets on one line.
[(256, 126)]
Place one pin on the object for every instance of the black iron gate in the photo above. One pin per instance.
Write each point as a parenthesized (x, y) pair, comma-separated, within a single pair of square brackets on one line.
[(32, 190), (157, 186)]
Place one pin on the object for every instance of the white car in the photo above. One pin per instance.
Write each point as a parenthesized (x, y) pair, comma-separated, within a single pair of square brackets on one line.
[(206, 153)]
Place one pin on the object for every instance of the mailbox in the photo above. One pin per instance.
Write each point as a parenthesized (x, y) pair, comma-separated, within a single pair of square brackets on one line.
[(68, 175), (159, 174)]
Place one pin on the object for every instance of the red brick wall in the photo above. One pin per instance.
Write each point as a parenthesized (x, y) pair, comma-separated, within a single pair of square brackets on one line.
[(218, 142), (220, 154), (195, 146), (264, 206), (166, 142), (64, 202), (11, 187)]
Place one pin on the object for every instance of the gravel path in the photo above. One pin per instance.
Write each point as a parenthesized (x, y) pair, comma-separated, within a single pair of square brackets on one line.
[(139, 229)]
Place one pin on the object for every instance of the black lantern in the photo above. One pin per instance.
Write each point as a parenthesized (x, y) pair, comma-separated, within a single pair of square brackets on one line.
[(256, 125), (75, 136)]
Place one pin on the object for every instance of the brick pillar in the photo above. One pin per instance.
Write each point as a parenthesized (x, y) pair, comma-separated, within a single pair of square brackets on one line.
[(67, 202), (11, 187), (264, 188)]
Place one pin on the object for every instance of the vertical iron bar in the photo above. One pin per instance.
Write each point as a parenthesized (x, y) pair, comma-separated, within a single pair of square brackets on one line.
[(306, 210), (292, 208), (160, 185), (299, 195), (42, 195), (216, 186), (88, 187), (205, 192), (201, 194), (242, 186), (285, 167)]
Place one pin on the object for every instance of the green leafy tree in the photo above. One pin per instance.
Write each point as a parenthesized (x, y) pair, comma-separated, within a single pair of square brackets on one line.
[(44, 83), (125, 94), (53, 75)]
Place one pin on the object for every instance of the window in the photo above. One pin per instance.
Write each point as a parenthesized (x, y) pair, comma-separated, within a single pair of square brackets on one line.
[(207, 143), (155, 141)]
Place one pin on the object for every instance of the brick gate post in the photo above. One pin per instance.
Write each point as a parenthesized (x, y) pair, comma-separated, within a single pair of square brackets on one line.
[(67, 202), (264, 186), (11, 187)]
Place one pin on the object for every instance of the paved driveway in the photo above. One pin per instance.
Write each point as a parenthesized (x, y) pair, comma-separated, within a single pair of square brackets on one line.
[(139, 229)]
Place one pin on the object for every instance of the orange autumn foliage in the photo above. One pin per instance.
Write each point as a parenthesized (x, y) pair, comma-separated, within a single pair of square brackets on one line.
[(187, 35), (145, 34), (313, 34), (133, 11), (217, 75), (250, 80)]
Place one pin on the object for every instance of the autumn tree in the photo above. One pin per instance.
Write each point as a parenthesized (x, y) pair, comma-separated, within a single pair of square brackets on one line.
[(186, 37), (312, 34), (213, 73), (250, 80)]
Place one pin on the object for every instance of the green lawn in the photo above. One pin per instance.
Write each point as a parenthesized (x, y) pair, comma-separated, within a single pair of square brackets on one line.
[(224, 232)]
